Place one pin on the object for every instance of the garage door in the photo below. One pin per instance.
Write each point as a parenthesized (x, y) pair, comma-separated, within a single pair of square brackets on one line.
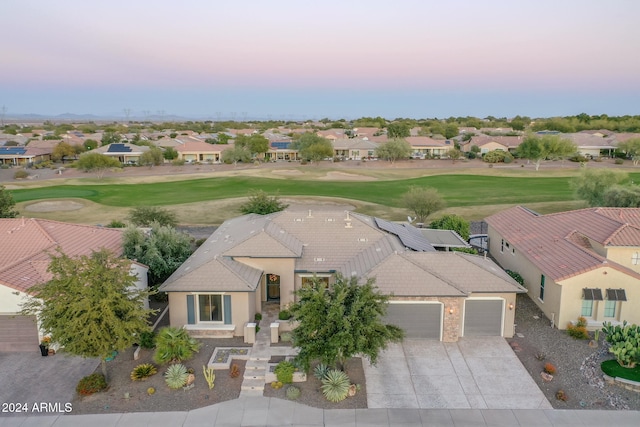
[(483, 318), (417, 320), (18, 333)]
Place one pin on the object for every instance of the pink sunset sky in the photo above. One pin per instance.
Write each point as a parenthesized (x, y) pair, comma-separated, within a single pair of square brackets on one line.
[(349, 58)]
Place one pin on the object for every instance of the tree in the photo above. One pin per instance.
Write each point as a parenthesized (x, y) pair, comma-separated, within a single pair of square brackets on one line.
[(398, 130), (96, 162), (90, 144), (6, 204), (256, 144), (451, 130), (537, 148), (146, 216), (452, 222), (313, 147), (152, 157), (163, 250), (422, 202), (170, 153), (235, 155), (620, 196), (631, 148), (91, 306), (341, 320), (454, 154), (592, 184), (261, 203), (62, 150), (110, 138), (393, 150)]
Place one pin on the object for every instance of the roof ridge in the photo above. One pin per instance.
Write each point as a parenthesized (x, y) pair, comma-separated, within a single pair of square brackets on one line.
[(229, 264), (430, 271)]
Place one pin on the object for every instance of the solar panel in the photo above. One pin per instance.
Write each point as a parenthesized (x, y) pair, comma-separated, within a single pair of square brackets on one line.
[(280, 145), (11, 151), (119, 148), (409, 236)]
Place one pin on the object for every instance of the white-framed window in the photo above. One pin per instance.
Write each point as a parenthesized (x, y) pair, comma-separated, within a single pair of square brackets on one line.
[(610, 308), (587, 308), (635, 258), (210, 308)]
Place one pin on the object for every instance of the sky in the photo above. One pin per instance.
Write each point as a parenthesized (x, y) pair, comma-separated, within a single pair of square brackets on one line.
[(296, 59)]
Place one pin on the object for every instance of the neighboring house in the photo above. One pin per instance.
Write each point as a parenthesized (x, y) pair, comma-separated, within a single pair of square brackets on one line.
[(200, 151), (353, 149), (280, 150), (592, 145), (444, 240), (576, 263), (252, 259), (25, 253), (127, 154), (426, 147), (488, 143), (22, 156)]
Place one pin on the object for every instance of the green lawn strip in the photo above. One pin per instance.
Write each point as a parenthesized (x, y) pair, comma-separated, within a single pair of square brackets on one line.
[(457, 190), (613, 369)]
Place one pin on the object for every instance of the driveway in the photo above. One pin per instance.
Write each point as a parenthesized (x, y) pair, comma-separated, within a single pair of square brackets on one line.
[(32, 379), (478, 373)]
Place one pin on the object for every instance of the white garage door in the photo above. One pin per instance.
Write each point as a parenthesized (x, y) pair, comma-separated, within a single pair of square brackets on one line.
[(417, 320), (483, 317), (18, 333)]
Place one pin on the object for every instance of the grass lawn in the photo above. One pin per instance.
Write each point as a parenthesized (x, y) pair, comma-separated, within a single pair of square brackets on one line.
[(613, 369), (457, 190)]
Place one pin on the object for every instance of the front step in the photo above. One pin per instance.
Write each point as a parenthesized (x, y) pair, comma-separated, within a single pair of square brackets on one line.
[(251, 393), (253, 384), (256, 364)]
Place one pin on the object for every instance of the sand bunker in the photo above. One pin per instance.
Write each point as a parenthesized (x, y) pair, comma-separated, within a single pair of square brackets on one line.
[(286, 172), (54, 206), (343, 176)]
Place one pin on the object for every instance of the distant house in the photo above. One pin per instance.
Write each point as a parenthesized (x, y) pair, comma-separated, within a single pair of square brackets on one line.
[(280, 150), (488, 143), (22, 156), (25, 253), (200, 151), (253, 259), (127, 154), (577, 263), (592, 145), (426, 147), (353, 149)]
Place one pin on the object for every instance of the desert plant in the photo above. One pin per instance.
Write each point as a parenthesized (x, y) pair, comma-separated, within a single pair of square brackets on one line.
[(561, 395), (320, 371), (276, 385), (582, 322), (258, 317), (176, 376), (577, 331), (20, 174), (284, 372), (151, 390), (292, 392), (550, 369), (209, 375), (143, 371), (234, 372), (541, 356), (335, 385), (147, 339), (174, 345), (284, 315), (91, 384)]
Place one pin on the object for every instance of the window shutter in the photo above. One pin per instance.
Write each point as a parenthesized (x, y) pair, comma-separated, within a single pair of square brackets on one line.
[(227, 309), (191, 313)]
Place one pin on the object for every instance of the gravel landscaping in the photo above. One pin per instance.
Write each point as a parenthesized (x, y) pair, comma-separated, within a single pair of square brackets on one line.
[(578, 365)]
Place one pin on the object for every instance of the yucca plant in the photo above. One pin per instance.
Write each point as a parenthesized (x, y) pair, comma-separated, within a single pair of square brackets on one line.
[(174, 345), (292, 392), (335, 385), (176, 376), (320, 371), (143, 371)]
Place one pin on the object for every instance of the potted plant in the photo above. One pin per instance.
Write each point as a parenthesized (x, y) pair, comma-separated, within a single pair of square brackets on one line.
[(44, 346)]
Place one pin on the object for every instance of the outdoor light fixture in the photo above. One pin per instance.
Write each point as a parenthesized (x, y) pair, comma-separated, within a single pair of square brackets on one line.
[(510, 306), (450, 310)]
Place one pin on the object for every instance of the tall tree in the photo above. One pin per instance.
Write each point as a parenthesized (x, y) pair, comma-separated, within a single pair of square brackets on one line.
[(96, 162), (341, 320), (536, 148), (393, 150), (91, 306), (152, 157), (452, 222), (62, 150), (631, 148), (422, 202), (592, 184), (6, 204), (451, 130), (398, 130), (256, 143), (110, 138), (235, 155), (313, 147)]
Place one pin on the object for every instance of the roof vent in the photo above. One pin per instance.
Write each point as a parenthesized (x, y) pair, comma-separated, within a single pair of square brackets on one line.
[(348, 218), (348, 225), (318, 259), (363, 239), (330, 220), (309, 216), (298, 219)]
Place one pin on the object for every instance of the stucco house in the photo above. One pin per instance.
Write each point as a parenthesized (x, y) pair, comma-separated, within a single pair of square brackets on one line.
[(577, 263), (426, 147), (127, 154), (200, 151), (487, 143), (353, 148), (25, 253), (253, 259), (23, 155)]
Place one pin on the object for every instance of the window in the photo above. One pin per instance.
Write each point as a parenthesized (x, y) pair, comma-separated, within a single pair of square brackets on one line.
[(210, 308), (635, 258), (502, 245), (541, 287), (587, 308), (610, 308)]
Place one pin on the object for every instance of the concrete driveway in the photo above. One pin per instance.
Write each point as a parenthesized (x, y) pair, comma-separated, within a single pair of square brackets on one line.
[(478, 373), (32, 379)]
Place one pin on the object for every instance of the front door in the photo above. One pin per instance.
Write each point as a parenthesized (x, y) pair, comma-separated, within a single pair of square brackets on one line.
[(273, 287)]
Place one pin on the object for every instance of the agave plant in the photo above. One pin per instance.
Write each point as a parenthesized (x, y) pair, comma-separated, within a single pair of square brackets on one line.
[(174, 345), (176, 376), (320, 371), (335, 385), (143, 371)]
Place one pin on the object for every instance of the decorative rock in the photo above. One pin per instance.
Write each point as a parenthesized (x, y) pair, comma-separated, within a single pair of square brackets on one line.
[(546, 377), (190, 379), (136, 353)]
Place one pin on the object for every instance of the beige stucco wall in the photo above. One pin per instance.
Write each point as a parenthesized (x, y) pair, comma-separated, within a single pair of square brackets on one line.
[(623, 255), (10, 300), (283, 267), (603, 278), (142, 282), (491, 146)]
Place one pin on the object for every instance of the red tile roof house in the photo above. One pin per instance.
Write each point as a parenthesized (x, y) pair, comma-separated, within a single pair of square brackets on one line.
[(488, 143), (253, 259), (592, 145), (577, 263), (426, 147), (353, 149), (24, 258), (200, 151)]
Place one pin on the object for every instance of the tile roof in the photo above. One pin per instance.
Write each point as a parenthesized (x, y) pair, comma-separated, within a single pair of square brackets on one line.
[(201, 147), (28, 243), (560, 244)]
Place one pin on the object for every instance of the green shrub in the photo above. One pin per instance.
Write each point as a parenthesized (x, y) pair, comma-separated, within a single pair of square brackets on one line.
[(174, 345), (578, 331), (176, 376), (20, 174), (285, 337), (91, 384), (143, 371), (116, 224), (516, 276), (258, 317), (320, 371), (619, 161), (335, 385), (147, 339), (284, 315), (495, 156), (292, 392), (177, 162), (284, 372)]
